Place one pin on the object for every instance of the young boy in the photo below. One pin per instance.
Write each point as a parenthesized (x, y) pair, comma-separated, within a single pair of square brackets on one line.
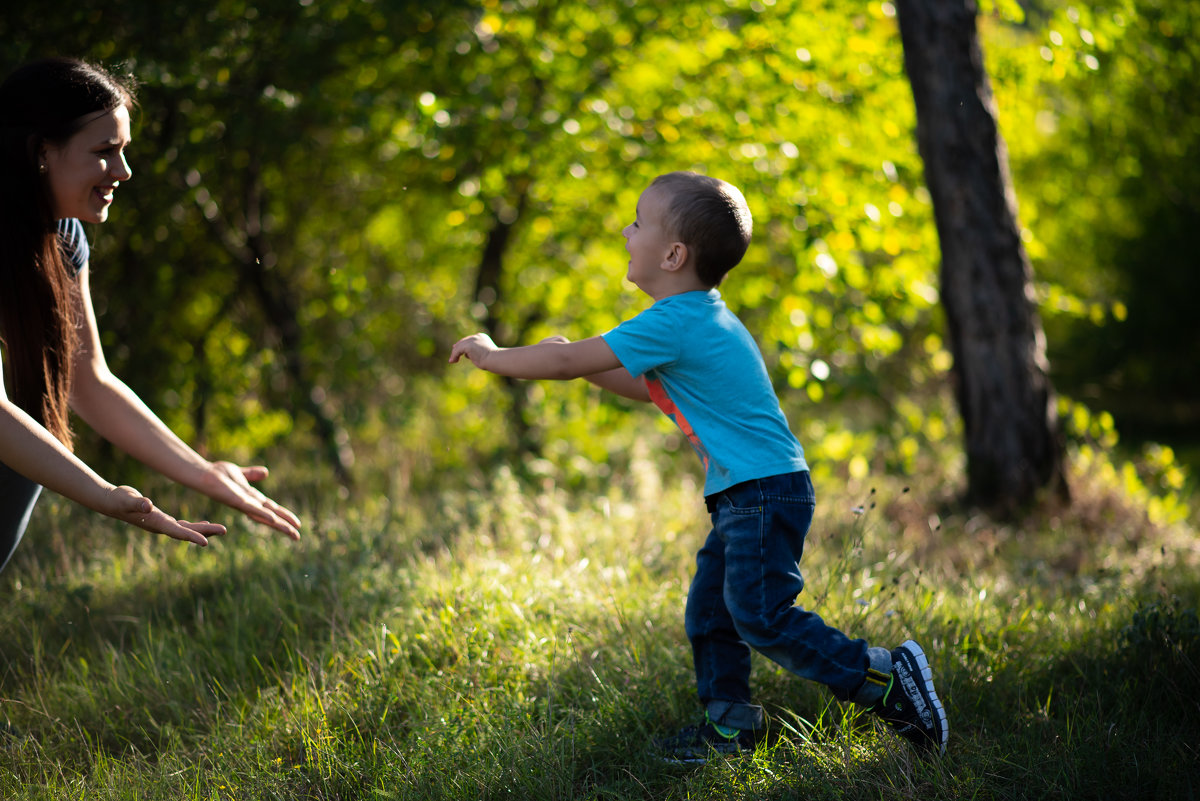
[(695, 360)]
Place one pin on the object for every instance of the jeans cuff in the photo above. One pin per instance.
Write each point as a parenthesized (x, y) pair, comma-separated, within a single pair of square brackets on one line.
[(735, 715), (875, 683)]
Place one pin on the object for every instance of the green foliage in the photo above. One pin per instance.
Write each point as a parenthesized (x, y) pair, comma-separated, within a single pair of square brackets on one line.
[(836, 282), (1156, 480), (346, 165), (360, 156), (1104, 165)]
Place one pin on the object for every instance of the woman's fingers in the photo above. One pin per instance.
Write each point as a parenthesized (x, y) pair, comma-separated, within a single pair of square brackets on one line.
[(256, 473), (132, 507), (235, 490)]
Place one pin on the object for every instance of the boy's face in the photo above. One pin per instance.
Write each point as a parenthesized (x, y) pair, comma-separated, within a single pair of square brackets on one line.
[(647, 240)]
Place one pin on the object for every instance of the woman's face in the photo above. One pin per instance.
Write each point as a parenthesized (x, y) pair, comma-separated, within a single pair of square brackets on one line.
[(84, 171)]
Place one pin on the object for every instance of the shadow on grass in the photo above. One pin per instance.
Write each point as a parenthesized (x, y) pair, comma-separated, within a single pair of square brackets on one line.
[(1112, 714), (169, 656)]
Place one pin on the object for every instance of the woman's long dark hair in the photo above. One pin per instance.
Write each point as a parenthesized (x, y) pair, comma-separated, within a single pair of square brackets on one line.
[(43, 102)]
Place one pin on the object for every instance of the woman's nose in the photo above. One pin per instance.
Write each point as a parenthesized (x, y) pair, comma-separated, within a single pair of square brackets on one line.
[(121, 169)]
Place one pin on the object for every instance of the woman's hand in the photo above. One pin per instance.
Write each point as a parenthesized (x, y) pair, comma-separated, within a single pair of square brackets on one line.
[(230, 484), (130, 506)]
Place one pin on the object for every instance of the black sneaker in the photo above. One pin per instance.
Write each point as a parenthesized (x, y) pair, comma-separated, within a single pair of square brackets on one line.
[(910, 705), (698, 744)]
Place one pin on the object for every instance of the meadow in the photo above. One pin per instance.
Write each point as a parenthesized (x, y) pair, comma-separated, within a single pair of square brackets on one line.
[(329, 194), (492, 634)]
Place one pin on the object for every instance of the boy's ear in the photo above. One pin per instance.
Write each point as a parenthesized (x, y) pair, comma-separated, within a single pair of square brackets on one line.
[(676, 257)]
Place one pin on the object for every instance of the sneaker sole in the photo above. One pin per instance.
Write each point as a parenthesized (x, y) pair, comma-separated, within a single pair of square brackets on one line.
[(935, 703), (696, 758)]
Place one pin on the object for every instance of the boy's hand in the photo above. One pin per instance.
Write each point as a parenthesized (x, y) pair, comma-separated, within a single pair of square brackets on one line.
[(475, 347)]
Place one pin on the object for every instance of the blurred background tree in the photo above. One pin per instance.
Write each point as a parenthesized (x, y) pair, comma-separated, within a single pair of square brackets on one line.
[(327, 194), (1006, 401)]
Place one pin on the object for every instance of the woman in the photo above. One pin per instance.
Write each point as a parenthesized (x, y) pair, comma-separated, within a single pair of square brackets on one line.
[(64, 127)]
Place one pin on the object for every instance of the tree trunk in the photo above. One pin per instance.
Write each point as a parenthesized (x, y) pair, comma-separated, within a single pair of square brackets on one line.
[(250, 253), (1013, 444), (489, 292), (280, 310)]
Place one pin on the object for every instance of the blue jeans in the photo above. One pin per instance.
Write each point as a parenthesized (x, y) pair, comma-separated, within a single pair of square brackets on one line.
[(17, 498), (743, 597)]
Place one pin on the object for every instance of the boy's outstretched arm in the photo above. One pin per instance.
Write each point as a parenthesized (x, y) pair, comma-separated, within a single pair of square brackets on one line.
[(554, 358)]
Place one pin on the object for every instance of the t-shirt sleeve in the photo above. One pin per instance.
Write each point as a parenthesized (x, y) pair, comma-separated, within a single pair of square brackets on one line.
[(645, 342), (73, 244)]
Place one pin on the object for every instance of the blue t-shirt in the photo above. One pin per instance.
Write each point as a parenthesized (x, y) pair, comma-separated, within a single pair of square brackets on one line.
[(704, 370), (73, 244)]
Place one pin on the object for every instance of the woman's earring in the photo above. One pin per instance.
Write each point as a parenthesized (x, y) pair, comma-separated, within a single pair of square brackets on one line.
[(42, 168)]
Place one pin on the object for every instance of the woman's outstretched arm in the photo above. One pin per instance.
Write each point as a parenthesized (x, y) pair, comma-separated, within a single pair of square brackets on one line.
[(32, 451), (117, 414)]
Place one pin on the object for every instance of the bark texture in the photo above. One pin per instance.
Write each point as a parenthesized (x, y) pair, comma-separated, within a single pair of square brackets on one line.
[(1005, 396)]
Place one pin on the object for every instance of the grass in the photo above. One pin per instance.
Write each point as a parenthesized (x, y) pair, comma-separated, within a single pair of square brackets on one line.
[(497, 638)]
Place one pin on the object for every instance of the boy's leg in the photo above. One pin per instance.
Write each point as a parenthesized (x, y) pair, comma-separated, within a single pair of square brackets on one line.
[(722, 660), (720, 656), (18, 495), (763, 524)]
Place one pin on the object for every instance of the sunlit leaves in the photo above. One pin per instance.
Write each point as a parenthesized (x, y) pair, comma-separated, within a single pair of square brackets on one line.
[(807, 112), (387, 142), (1104, 165)]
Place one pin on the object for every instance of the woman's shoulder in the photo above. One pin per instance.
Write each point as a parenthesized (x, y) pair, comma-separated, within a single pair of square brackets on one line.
[(72, 241)]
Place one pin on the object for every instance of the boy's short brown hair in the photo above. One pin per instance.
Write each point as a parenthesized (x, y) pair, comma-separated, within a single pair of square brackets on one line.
[(710, 217)]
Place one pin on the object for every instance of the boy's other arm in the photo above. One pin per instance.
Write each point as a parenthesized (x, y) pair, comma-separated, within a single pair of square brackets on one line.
[(622, 383), (618, 381), (553, 358)]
